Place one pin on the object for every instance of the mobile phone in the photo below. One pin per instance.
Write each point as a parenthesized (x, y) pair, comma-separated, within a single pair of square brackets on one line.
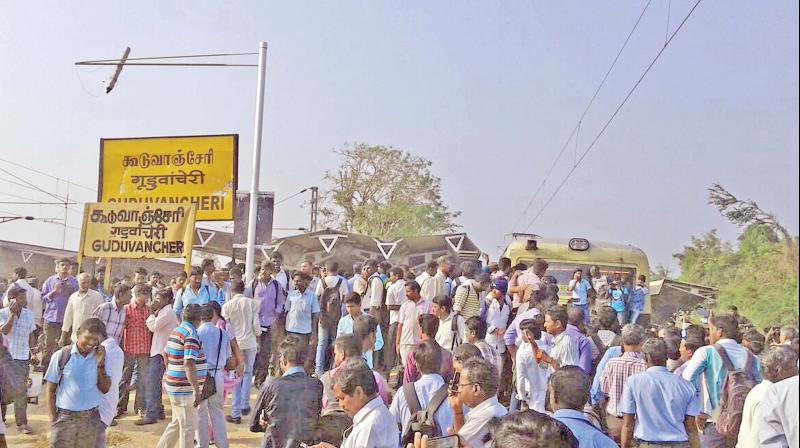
[(454, 382), (443, 442)]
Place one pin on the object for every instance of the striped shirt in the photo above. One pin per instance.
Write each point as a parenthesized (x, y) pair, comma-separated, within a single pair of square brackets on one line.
[(467, 301), (183, 345), (113, 317), (616, 375)]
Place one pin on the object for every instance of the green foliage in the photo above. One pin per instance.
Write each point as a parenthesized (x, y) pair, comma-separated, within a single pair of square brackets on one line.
[(760, 276), (386, 193)]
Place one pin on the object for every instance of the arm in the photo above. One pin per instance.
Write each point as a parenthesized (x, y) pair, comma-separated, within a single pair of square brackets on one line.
[(103, 379), (237, 352), (191, 376), (520, 366), (571, 286), (459, 300), (691, 430), (51, 400), (66, 327), (399, 332), (628, 421), (9, 324)]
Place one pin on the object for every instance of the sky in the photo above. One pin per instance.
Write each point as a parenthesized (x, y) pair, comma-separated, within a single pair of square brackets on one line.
[(488, 91)]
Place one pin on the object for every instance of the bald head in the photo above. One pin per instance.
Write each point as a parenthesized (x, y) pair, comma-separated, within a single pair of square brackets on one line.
[(575, 316)]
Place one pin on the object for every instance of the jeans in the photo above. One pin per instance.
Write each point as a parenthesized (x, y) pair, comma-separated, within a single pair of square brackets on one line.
[(210, 412), (325, 335), (21, 403), (585, 309), (621, 317), (141, 362), (241, 394), (634, 316), (154, 406)]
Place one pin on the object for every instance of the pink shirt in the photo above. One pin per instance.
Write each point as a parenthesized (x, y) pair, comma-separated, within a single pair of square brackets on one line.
[(409, 318)]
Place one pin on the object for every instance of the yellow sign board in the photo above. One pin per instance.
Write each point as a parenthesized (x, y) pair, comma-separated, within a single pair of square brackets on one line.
[(199, 170), (137, 230)]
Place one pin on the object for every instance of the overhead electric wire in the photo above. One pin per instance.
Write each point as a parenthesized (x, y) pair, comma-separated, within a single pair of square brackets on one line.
[(292, 196), (150, 58), (31, 185), (613, 115), (48, 175), (577, 126)]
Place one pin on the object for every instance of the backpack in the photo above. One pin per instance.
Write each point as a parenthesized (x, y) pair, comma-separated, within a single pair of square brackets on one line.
[(422, 420), (13, 384), (330, 305), (603, 348), (736, 386)]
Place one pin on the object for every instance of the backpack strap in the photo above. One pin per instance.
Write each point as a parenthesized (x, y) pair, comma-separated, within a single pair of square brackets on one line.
[(63, 360), (412, 401), (726, 360), (436, 402)]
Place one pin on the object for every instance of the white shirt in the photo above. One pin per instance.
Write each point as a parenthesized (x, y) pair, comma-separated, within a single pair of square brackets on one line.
[(445, 336), (751, 416), (373, 427), (531, 378), (497, 319), (161, 324), (426, 387), (115, 358), (396, 295), (242, 313), (33, 297), (410, 334), (373, 298), (779, 415), (79, 308), (434, 286), (476, 425), (564, 351), (330, 282)]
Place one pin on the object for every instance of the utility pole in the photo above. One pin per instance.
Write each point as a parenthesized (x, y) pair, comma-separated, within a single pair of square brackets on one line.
[(121, 64), (250, 257), (314, 204)]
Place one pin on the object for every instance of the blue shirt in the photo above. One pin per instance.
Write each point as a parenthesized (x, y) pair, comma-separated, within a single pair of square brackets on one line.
[(346, 327), (209, 341), (611, 352), (300, 310), (580, 291), (617, 300), (188, 297), (588, 436), (78, 389), (660, 400), (293, 370)]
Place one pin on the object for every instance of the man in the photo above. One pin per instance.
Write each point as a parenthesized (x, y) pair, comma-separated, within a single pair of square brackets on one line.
[(331, 292), (452, 329), (160, 322), (194, 293), (346, 347), (352, 304), (429, 324), (636, 300), (477, 389), (100, 278), (564, 351), (80, 306), (427, 275), (270, 297), (74, 268), (688, 346), (366, 327), (722, 333), (435, 286), (779, 423), (288, 406), (395, 298), (136, 343), (55, 294), (33, 297), (280, 274), (658, 407), (217, 348), (184, 379), (373, 425), (523, 285), (209, 266), (503, 269), (467, 298), (476, 335), (616, 374), (178, 283), (777, 364), (417, 396), (302, 313), (115, 360), (77, 377), (580, 287), (18, 325), (576, 331), (373, 298), (356, 275), (139, 278), (112, 313), (408, 333), (569, 390), (531, 368), (242, 313)]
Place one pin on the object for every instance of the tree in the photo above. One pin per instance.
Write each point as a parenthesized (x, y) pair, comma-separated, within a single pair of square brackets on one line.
[(384, 192), (744, 213), (660, 272)]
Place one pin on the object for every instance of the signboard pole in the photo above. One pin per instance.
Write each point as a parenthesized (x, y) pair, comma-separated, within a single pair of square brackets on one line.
[(189, 241), (250, 256)]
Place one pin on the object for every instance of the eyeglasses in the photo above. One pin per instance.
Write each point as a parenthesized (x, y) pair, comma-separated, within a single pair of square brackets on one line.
[(460, 385)]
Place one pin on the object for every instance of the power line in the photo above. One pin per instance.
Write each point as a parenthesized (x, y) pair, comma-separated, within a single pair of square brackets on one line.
[(292, 196), (25, 186), (214, 55), (577, 126), (31, 185), (611, 118), (48, 175)]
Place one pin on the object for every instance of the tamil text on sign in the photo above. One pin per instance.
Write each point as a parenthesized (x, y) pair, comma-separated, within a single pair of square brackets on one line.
[(116, 230), (199, 170)]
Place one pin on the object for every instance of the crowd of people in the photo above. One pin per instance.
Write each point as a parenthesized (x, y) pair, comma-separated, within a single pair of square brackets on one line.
[(473, 354)]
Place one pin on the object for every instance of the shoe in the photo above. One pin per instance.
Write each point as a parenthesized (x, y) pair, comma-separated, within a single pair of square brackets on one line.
[(145, 421), (246, 411), (120, 413), (25, 429), (162, 416), (236, 420), (113, 422)]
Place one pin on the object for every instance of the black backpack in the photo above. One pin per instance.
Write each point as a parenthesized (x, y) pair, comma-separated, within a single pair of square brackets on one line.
[(12, 378), (330, 305), (422, 420)]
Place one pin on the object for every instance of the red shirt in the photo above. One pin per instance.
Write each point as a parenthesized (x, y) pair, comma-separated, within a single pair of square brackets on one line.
[(136, 338)]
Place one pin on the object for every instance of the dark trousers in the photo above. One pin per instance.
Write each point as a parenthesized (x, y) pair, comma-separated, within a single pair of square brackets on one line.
[(261, 367), (21, 403), (154, 405), (52, 333), (389, 348), (141, 362), (75, 429)]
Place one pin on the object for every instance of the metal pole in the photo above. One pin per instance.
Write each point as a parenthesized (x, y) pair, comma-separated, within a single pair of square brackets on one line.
[(314, 201), (250, 257)]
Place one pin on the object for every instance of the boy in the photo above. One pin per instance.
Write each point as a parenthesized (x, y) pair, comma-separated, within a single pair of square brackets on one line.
[(531, 375), (17, 324), (476, 335), (347, 324)]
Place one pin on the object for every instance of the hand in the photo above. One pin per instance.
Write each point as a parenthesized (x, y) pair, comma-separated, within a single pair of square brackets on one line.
[(322, 445), (64, 341), (455, 403), (700, 421), (239, 370), (397, 349), (197, 400), (58, 287), (100, 355)]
